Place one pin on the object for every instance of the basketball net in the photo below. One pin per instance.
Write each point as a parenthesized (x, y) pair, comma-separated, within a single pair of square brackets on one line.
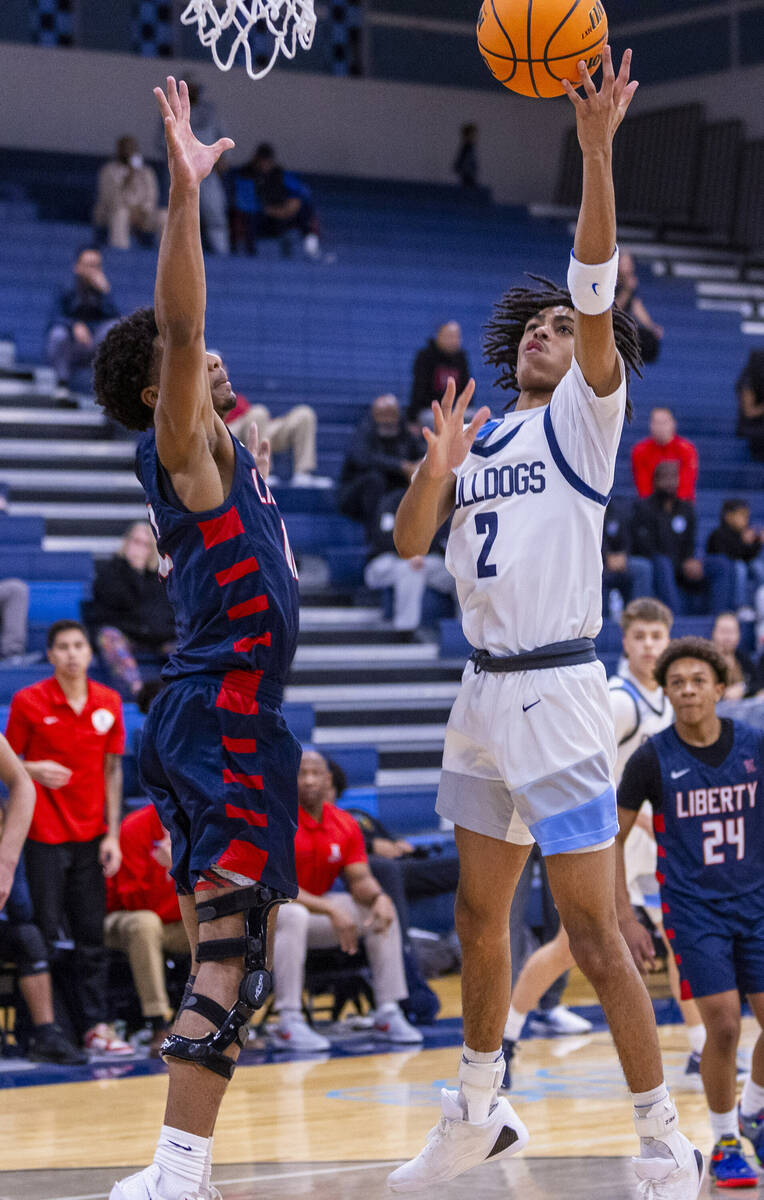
[(225, 26)]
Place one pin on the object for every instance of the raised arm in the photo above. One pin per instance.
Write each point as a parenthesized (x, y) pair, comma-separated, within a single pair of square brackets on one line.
[(183, 417), (430, 495), (598, 115)]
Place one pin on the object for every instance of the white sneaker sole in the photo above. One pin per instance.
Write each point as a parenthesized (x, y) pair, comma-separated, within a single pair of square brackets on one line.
[(465, 1162)]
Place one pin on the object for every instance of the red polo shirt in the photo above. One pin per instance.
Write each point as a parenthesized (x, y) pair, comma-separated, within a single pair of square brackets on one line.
[(141, 882), (324, 848), (42, 724)]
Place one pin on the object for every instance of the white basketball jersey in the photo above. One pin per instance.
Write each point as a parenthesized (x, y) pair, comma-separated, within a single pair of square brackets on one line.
[(525, 546), (637, 714)]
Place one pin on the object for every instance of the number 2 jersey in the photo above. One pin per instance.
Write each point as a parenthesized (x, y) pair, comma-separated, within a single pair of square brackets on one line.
[(708, 810), (525, 546), (230, 573)]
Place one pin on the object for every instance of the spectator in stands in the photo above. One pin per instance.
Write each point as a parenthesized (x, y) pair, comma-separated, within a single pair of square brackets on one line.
[(270, 202), (144, 916), (741, 670), (443, 358), (736, 541), (663, 445), (20, 940), (623, 572), (294, 432), (69, 730), (130, 610), (14, 606), (627, 297), (408, 577), (663, 530), (382, 456), (127, 200), (328, 843), (750, 392), (82, 316), (466, 161)]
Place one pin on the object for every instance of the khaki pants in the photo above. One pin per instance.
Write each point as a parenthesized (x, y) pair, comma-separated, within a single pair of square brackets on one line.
[(295, 432), (145, 939), (298, 931), (122, 219)]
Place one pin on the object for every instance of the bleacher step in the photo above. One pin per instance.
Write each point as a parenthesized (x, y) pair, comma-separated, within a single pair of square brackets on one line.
[(413, 736), (323, 695), (345, 654)]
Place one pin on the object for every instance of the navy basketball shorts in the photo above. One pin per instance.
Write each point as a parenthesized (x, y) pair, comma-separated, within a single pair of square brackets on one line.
[(718, 944), (220, 765)]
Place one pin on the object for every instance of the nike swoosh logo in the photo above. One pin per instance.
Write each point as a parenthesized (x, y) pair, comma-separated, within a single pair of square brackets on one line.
[(594, 288), (527, 706), (179, 1147), (679, 774)]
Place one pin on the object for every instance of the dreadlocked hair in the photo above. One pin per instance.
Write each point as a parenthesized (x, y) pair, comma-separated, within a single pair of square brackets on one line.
[(514, 310), (123, 368)]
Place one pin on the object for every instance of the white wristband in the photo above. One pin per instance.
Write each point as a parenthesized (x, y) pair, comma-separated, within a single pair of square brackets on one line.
[(592, 285)]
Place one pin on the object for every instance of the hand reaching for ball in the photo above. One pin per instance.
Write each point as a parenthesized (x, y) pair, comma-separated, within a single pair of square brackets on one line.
[(599, 113)]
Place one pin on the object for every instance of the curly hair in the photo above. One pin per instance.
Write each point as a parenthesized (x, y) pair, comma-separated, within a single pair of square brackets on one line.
[(123, 367), (691, 647), (502, 334)]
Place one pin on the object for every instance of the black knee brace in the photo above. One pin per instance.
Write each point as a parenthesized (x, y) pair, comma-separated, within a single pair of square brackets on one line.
[(255, 903)]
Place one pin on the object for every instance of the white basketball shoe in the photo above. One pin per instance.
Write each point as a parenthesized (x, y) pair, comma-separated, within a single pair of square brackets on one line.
[(455, 1145), (677, 1178), (146, 1185)]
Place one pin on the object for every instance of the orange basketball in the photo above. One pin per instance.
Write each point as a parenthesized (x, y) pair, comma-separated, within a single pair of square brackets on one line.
[(530, 45)]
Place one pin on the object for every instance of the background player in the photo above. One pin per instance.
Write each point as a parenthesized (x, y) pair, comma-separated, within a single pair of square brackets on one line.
[(703, 777), (639, 710), (216, 756), (529, 747)]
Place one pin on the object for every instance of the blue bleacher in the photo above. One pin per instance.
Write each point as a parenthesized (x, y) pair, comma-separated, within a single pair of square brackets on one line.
[(21, 531)]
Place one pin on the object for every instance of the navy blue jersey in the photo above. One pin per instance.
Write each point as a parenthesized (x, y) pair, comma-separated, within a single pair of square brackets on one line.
[(708, 810), (230, 573)]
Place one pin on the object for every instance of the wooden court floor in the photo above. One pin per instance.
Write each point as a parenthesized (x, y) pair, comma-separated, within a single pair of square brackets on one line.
[(320, 1129)]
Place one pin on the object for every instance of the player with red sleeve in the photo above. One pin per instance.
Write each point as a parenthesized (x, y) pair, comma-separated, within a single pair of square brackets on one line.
[(70, 733), (329, 843)]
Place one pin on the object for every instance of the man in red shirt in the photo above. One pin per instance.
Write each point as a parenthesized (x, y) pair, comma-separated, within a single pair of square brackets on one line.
[(663, 444), (69, 731), (144, 915), (328, 843)]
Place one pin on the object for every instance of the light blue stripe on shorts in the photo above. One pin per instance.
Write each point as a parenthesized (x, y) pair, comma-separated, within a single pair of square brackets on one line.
[(587, 825)]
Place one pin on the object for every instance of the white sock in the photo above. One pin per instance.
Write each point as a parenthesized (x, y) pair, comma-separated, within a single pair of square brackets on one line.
[(514, 1025), (752, 1099), (723, 1124), (696, 1036), (653, 1147), (207, 1173), (288, 1016), (181, 1158), (480, 1076), (388, 1009)]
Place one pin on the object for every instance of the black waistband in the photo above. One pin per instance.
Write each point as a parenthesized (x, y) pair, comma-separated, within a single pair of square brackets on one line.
[(556, 654)]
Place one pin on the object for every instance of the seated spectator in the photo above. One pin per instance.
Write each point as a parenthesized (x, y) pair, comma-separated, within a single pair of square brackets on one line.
[(329, 843), (270, 202), (623, 572), (736, 541), (627, 298), (20, 940), (408, 577), (664, 445), (381, 458), (144, 916), (14, 606), (82, 316), (663, 530), (466, 161), (294, 432), (127, 200), (70, 733), (213, 206), (130, 610), (443, 358), (741, 670), (750, 392)]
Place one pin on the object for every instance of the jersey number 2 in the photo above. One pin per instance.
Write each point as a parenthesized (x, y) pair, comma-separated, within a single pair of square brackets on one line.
[(487, 525), (720, 833)]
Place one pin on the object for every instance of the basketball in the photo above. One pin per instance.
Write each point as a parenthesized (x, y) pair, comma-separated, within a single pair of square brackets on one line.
[(531, 45)]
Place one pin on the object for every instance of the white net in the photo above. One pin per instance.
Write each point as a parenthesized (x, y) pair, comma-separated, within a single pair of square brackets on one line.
[(227, 26)]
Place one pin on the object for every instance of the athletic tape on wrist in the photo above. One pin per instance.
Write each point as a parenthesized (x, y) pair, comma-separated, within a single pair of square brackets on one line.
[(592, 285)]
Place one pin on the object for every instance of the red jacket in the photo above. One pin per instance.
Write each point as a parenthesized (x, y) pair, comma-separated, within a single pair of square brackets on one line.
[(141, 882), (646, 455)]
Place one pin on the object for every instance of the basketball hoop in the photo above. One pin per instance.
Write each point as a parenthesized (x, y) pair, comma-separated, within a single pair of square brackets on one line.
[(225, 26)]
